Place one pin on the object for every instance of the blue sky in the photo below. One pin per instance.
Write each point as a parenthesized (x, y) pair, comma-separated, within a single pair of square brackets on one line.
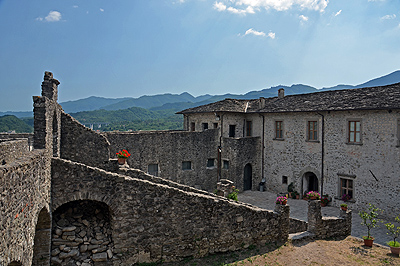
[(144, 47)]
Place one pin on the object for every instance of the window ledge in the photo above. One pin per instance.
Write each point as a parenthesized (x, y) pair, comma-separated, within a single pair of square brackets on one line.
[(340, 199), (312, 141), (354, 143), (278, 139)]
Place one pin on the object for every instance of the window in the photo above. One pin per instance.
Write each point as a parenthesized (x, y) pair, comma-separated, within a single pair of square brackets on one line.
[(205, 126), (215, 125), (248, 128), (192, 126), (186, 165), (232, 129), (152, 169), (210, 163), (284, 179), (346, 187), (279, 129), (312, 130), (354, 132), (225, 164)]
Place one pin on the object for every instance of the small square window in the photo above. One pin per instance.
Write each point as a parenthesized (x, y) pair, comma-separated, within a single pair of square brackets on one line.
[(205, 126), (186, 165), (193, 126), (215, 125), (225, 164), (152, 169), (232, 129), (284, 179), (210, 163), (346, 187)]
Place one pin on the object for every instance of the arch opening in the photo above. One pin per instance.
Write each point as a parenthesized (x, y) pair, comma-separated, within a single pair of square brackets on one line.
[(41, 246), (248, 177), (82, 233), (310, 182), (15, 263)]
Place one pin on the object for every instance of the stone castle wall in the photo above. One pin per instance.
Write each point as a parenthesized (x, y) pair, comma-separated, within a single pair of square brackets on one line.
[(81, 144), (10, 150), (168, 149), (153, 222), (25, 193)]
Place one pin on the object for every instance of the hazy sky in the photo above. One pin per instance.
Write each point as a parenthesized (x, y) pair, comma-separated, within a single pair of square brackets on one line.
[(136, 47)]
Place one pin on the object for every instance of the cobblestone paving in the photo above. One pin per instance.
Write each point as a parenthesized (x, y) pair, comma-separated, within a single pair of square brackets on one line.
[(298, 210)]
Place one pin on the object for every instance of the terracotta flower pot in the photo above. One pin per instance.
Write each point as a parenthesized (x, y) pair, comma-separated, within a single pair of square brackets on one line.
[(395, 250), (369, 242), (344, 208), (121, 160), (297, 196), (313, 198), (284, 202), (323, 204)]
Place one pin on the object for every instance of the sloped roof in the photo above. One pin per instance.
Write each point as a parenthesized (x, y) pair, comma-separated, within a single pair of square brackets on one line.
[(373, 98)]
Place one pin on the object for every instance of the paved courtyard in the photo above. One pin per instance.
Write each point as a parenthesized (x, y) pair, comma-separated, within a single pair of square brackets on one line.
[(298, 210)]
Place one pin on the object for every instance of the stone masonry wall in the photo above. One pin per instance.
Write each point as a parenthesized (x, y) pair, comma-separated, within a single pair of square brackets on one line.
[(168, 149), (15, 136), (11, 150), (81, 144), (24, 193), (373, 165), (151, 222)]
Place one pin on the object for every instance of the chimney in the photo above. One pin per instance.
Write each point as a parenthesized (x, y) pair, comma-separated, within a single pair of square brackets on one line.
[(281, 93), (262, 102)]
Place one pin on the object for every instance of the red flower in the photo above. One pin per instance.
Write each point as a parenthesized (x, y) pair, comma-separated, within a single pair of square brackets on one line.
[(123, 154)]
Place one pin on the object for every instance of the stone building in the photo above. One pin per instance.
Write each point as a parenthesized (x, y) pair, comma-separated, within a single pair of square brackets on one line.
[(66, 201), (335, 142)]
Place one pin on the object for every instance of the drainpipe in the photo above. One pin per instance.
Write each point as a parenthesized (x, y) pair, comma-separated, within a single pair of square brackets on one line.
[(263, 148), (322, 151), (220, 148)]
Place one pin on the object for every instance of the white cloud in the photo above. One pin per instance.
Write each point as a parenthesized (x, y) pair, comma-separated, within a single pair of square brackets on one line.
[(75, 6), (251, 5), (389, 17), (102, 10), (53, 16), (254, 32), (259, 33), (303, 18), (338, 13), (219, 6)]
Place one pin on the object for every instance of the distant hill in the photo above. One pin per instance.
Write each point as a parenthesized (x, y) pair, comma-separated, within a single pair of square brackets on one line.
[(11, 122), (89, 104)]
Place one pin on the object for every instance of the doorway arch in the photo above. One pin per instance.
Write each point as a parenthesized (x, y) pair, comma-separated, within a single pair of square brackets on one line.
[(41, 246), (310, 182), (248, 177)]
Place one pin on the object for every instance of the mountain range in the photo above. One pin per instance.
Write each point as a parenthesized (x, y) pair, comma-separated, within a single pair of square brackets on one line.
[(175, 102)]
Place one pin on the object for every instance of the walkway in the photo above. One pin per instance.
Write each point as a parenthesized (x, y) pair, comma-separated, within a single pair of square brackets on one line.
[(298, 210)]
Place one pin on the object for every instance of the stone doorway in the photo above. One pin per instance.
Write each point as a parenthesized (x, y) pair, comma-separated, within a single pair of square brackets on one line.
[(82, 234), (41, 247), (248, 177), (310, 182)]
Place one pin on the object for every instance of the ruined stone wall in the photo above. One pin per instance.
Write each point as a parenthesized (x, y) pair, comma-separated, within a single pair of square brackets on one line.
[(25, 192), (151, 222), (15, 136), (378, 153), (168, 149), (12, 149), (81, 144)]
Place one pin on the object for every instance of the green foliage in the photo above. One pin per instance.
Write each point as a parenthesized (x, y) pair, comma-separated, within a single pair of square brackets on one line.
[(11, 122), (233, 195), (290, 187), (394, 232), (369, 218)]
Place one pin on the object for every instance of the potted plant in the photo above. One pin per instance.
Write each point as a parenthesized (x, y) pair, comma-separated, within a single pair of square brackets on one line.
[(346, 197), (394, 232), (324, 200), (282, 200), (369, 219), (343, 206), (122, 156), (295, 195), (313, 195), (290, 189)]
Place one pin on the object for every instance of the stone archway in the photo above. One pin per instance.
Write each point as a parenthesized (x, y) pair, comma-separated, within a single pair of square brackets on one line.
[(248, 177), (82, 233), (310, 182), (41, 247), (15, 263)]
